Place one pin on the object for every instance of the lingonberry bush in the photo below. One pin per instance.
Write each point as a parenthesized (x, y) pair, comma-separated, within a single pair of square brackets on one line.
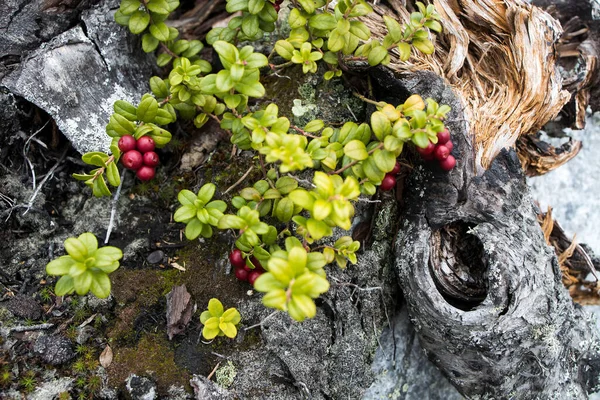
[(281, 223)]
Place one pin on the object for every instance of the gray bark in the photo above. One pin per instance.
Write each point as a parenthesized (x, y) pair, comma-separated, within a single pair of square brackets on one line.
[(483, 289), (78, 75)]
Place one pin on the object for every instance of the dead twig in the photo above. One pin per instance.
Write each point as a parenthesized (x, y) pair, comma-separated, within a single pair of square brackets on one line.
[(48, 176), (230, 188), (113, 210)]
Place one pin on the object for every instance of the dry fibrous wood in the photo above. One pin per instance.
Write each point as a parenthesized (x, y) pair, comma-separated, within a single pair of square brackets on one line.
[(498, 57), (578, 51), (577, 265), (539, 157)]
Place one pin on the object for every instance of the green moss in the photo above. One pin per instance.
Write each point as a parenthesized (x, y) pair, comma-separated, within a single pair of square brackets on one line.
[(153, 354)]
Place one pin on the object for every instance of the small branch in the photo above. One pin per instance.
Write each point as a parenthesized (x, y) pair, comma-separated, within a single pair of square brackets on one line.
[(302, 132), (113, 210), (48, 175), (363, 98), (213, 371), (230, 188), (261, 322), (353, 163), (30, 328)]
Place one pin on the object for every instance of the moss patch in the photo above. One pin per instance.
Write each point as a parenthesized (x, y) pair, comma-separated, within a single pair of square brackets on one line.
[(152, 355)]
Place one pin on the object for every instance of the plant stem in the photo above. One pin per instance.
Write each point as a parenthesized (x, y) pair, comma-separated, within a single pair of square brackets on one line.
[(363, 98)]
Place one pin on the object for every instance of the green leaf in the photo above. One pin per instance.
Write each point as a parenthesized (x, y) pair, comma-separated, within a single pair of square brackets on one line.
[(215, 307), (423, 45), (380, 125), (393, 144), (163, 59), (255, 6), (285, 49), (99, 187), (250, 25), (434, 26), (96, 158), (158, 6), (356, 150), (385, 160), (372, 172), (185, 213), (285, 209), (275, 298), (336, 41), (286, 184), (76, 249), (149, 43), (64, 286), (318, 229), (128, 7), (324, 21), (159, 87), (160, 136), (210, 333), (100, 284), (302, 198), (60, 266), (193, 229), (112, 174), (308, 5), (147, 110), (314, 126), (394, 28), (139, 22), (236, 5), (360, 30), (253, 89), (160, 31), (377, 55), (229, 221), (404, 50), (296, 19), (421, 139), (121, 125)]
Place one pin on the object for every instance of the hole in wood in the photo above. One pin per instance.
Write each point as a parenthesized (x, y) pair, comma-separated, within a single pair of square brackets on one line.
[(457, 265)]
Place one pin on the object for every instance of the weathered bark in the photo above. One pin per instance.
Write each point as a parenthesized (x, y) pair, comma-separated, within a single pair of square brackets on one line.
[(78, 74), (483, 289)]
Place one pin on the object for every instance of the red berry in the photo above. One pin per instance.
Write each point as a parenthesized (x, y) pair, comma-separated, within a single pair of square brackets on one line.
[(132, 159), (448, 164), (151, 159), (396, 169), (236, 258), (253, 276), (443, 136), (145, 144), (449, 145), (427, 150), (388, 183), (276, 7), (241, 274), (441, 152), (127, 143), (145, 173), (428, 157)]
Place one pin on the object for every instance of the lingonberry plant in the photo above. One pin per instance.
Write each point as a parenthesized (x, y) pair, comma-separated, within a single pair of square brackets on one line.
[(280, 222)]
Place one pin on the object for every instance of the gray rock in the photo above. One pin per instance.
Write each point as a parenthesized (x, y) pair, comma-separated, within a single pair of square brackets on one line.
[(54, 349), (140, 388), (50, 390), (156, 257), (84, 334), (24, 307), (205, 389), (77, 84), (402, 370)]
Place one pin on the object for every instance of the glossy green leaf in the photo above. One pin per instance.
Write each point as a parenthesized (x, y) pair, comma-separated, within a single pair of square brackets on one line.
[(139, 22)]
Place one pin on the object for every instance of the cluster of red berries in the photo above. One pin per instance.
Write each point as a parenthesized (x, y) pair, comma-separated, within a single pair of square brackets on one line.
[(138, 155), (242, 270), (277, 5), (389, 180), (440, 151)]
